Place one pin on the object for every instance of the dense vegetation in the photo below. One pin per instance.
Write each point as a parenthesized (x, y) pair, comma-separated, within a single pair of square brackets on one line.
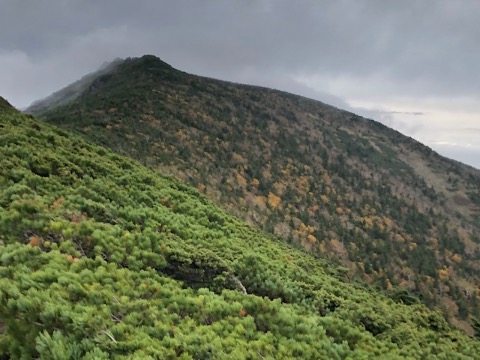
[(387, 207), (103, 258)]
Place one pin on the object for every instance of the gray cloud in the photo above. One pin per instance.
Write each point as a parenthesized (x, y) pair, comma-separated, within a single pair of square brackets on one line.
[(395, 57)]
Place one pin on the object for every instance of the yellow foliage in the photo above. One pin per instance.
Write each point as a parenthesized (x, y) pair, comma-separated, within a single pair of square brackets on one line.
[(361, 266), (255, 182), (434, 241), (322, 247), (266, 174), (181, 135), (457, 258), (302, 183), (380, 226), (238, 158), (368, 222), (326, 178), (279, 187), (307, 245), (443, 274), (388, 222), (399, 238), (312, 239), (366, 210), (324, 199), (388, 284)]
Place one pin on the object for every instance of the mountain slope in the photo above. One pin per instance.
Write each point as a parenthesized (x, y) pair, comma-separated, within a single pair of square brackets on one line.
[(103, 258), (72, 91), (384, 205)]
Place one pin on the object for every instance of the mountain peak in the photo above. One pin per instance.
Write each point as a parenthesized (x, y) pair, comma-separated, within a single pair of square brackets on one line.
[(124, 70), (153, 60), (148, 63)]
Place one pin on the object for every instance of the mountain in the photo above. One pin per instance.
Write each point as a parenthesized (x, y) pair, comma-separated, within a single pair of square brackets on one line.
[(101, 257), (387, 207)]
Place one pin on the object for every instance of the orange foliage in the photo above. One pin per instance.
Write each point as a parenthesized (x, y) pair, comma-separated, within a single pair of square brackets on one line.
[(313, 209), (457, 258), (241, 180), (368, 222), (59, 202), (35, 241), (273, 200), (76, 218)]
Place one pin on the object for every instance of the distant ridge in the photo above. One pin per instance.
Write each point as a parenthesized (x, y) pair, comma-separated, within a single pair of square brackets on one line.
[(5, 105)]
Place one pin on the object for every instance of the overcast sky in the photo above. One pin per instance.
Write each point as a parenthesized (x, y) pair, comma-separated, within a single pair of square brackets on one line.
[(412, 64)]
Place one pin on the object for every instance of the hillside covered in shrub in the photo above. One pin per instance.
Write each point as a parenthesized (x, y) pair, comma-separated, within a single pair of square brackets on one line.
[(102, 258)]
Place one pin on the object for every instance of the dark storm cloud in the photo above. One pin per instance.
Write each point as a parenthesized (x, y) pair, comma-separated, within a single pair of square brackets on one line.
[(420, 45), (343, 52)]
